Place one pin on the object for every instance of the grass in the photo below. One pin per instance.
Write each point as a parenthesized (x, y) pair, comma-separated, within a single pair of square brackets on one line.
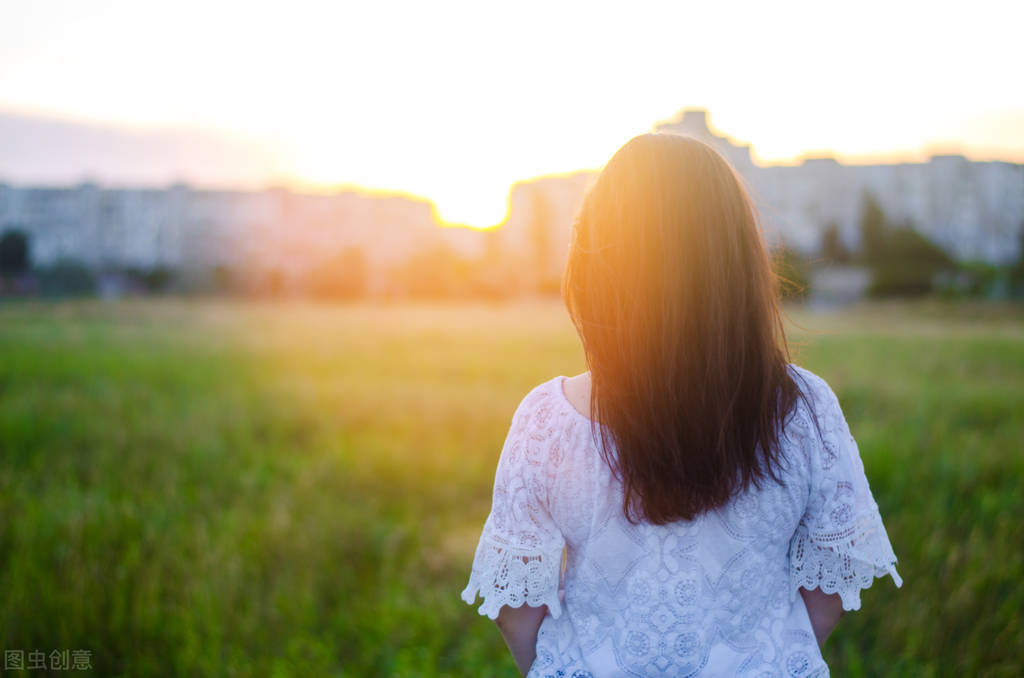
[(233, 489)]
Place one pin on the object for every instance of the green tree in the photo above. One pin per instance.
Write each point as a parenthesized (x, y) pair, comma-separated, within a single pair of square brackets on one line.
[(496, 275), (832, 247), (224, 279), (1016, 273), (873, 229), (341, 277), (908, 264), (157, 279), (14, 258), (541, 224), (436, 272), (67, 277)]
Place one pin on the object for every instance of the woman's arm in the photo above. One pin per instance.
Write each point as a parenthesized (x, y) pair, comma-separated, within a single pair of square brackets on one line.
[(824, 610), (519, 626)]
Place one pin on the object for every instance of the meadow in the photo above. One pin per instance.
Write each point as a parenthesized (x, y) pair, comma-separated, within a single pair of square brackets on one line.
[(281, 489)]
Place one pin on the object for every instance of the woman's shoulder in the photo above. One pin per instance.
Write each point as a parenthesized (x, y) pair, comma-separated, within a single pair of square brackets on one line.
[(540, 396), (815, 393), (808, 382), (546, 399), (818, 420), (544, 417), (541, 437)]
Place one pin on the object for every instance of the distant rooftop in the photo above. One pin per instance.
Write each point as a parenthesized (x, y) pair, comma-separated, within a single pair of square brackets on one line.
[(692, 121)]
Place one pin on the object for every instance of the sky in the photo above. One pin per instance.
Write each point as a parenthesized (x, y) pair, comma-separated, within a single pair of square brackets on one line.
[(456, 101)]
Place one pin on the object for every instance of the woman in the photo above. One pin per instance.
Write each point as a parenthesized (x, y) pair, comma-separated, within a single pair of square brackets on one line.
[(695, 480)]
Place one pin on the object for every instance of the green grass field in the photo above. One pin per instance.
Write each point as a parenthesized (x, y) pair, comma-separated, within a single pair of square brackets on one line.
[(235, 489)]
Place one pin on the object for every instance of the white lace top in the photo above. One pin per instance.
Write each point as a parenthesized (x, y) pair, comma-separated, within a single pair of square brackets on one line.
[(716, 596)]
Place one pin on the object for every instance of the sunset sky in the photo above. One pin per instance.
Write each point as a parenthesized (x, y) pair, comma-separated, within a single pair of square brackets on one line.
[(455, 101)]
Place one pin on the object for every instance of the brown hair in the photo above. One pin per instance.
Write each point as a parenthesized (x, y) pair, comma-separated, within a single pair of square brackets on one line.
[(672, 292)]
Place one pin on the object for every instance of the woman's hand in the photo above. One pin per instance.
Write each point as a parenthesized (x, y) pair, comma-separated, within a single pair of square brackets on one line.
[(824, 609), (519, 627)]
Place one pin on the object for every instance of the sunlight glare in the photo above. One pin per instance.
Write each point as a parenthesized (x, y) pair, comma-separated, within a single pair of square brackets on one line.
[(456, 101)]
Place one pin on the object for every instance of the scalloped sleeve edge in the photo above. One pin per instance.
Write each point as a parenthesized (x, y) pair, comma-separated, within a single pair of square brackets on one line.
[(504, 575), (844, 567)]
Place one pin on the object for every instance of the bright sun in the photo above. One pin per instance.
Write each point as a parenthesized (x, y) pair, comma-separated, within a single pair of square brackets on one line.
[(455, 101), (469, 198)]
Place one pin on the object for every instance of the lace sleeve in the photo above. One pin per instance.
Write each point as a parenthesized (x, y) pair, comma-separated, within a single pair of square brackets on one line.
[(519, 557), (840, 545)]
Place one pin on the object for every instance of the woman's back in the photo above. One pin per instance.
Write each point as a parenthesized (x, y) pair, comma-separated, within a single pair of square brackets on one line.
[(718, 520), (716, 595)]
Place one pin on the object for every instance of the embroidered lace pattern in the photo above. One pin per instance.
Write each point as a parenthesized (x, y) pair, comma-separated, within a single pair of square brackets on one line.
[(519, 557), (714, 596), (840, 546)]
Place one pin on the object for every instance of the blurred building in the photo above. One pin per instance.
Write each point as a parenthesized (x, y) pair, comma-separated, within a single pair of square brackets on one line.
[(974, 210), (273, 231)]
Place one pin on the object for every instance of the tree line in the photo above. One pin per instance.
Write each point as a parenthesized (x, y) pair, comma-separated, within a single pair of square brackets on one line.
[(901, 261)]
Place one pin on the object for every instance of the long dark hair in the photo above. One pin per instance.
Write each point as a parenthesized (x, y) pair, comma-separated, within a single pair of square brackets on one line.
[(671, 289)]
